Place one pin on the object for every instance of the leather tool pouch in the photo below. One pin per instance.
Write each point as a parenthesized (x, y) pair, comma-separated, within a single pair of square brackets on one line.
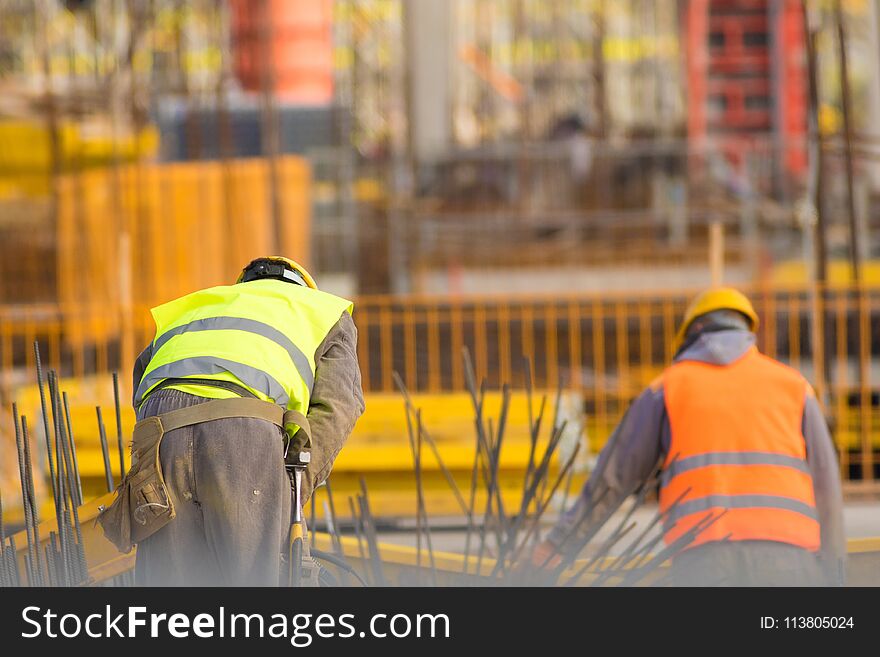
[(142, 505)]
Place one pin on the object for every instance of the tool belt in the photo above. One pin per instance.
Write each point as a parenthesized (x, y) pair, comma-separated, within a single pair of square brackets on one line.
[(143, 504)]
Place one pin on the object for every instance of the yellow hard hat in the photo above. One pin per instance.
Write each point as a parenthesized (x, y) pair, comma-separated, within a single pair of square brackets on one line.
[(719, 298), (287, 265)]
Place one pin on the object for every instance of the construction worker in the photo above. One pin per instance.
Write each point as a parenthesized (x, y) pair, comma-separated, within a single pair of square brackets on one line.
[(272, 336), (741, 443)]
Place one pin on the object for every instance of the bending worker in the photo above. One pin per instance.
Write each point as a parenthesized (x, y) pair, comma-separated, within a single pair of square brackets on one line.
[(741, 437), (274, 337)]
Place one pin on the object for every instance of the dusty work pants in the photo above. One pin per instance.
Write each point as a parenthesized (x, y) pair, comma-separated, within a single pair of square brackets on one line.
[(232, 498), (747, 563)]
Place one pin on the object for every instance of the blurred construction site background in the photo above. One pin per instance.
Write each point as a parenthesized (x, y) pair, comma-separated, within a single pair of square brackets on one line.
[(548, 180)]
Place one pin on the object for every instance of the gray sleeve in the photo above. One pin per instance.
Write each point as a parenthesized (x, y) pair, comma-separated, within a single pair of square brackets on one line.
[(336, 402), (632, 452), (822, 459), (140, 366)]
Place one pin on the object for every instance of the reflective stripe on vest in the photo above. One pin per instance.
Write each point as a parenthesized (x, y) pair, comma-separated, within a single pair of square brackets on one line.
[(241, 324), (261, 334), (737, 448)]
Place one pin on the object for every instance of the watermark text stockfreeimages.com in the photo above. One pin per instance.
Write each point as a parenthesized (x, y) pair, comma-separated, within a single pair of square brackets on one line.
[(300, 629)]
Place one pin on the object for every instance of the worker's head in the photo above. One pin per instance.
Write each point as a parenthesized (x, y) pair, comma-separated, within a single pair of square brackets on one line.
[(717, 309), (279, 268)]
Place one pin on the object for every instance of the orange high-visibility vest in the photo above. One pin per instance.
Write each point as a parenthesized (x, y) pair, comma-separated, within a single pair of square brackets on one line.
[(737, 448)]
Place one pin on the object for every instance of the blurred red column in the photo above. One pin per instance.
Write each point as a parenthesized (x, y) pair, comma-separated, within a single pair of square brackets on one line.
[(292, 47)]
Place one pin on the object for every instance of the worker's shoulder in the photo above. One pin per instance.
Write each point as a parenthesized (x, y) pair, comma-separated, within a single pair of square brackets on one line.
[(656, 384), (779, 368)]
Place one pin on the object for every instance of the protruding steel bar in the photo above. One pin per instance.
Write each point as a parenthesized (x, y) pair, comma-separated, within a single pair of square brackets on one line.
[(46, 433), (35, 515), (78, 553), (74, 462), (533, 527), (673, 549), (105, 451), (371, 535), (603, 551), (357, 530), (29, 520), (443, 469), (118, 426), (422, 509), (337, 542)]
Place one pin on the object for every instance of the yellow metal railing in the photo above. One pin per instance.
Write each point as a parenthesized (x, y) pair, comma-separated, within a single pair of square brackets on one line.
[(606, 348), (609, 347)]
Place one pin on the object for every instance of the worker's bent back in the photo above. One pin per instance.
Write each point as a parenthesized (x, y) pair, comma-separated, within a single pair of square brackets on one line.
[(261, 334), (737, 449)]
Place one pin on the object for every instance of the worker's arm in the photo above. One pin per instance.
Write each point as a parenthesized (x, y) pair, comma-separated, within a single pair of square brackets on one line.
[(337, 400), (628, 459), (822, 459), (140, 366)]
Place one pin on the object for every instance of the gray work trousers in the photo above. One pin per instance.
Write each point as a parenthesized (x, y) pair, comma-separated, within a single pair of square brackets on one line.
[(747, 563), (232, 498)]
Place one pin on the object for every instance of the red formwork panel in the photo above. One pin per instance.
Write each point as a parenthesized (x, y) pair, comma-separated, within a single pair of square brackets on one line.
[(738, 44), (737, 92), (746, 104)]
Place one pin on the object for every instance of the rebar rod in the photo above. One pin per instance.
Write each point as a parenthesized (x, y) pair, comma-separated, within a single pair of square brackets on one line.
[(337, 541), (422, 508), (35, 515), (357, 531), (118, 426), (74, 461), (25, 499), (432, 444), (371, 535), (78, 552), (105, 451), (533, 527), (47, 435)]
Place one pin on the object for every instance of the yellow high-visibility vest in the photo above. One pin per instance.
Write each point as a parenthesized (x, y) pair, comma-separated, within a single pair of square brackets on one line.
[(262, 335)]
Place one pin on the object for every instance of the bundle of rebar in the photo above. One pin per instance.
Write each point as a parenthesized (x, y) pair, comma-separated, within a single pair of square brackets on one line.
[(59, 560), (512, 535)]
